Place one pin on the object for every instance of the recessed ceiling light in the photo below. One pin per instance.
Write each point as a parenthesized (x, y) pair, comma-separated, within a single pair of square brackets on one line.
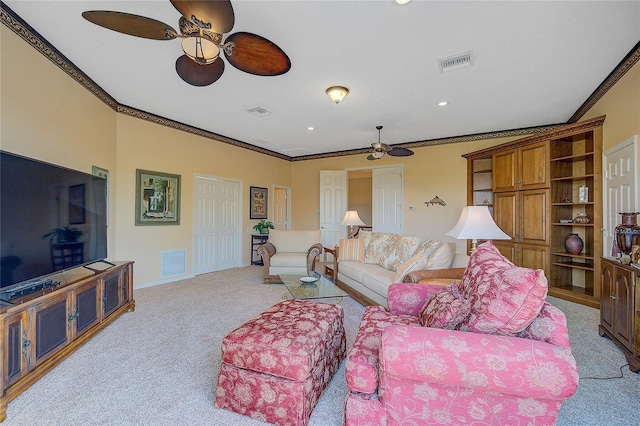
[(310, 128), (402, 1), (443, 103)]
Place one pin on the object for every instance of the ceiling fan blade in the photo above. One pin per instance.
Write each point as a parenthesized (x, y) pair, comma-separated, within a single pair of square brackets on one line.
[(400, 152), (199, 75), (254, 54), (135, 25), (218, 13)]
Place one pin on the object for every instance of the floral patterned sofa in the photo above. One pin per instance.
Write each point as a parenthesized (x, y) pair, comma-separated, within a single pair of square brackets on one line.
[(485, 350)]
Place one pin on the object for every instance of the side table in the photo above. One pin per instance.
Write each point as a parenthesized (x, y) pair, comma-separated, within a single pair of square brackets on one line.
[(256, 241), (328, 266)]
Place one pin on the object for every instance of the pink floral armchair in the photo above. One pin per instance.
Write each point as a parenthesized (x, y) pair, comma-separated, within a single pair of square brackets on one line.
[(401, 372)]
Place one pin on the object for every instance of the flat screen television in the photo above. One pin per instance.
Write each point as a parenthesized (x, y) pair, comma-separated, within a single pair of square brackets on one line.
[(51, 219)]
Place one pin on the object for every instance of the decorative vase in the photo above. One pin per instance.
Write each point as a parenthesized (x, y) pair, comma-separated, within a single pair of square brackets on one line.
[(573, 244), (628, 232), (582, 218)]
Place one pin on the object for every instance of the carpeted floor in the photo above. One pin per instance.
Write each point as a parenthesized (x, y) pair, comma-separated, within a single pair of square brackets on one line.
[(158, 365)]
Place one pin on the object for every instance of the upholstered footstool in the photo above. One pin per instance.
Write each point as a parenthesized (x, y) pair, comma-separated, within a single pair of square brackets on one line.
[(276, 366)]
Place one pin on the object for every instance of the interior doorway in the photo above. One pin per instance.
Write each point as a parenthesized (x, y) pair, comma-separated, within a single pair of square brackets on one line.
[(216, 224), (281, 207)]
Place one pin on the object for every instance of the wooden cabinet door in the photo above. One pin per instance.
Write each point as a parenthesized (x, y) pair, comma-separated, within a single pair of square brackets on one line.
[(52, 330), (534, 212), (607, 295), (16, 348), (507, 249), (533, 161), (111, 297), (534, 256), (504, 171), (623, 307), (86, 308), (505, 213)]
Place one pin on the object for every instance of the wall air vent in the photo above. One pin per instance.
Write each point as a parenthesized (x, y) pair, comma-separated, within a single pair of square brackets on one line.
[(461, 60), (259, 111)]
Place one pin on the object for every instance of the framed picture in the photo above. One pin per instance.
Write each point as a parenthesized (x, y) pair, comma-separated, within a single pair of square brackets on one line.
[(258, 202), (157, 198), (635, 254), (76, 204), (103, 173)]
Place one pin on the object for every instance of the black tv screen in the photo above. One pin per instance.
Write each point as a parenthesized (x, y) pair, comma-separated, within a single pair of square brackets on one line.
[(51, 219)]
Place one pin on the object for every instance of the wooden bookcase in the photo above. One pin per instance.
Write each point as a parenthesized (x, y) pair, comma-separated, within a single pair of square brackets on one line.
[(534, 192)]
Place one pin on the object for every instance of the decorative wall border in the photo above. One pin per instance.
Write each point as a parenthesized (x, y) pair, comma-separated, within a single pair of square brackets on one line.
[(12, 21)]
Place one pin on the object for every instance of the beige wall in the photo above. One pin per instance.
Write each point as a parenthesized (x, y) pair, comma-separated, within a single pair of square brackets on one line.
[(47, 115), (436, 170)]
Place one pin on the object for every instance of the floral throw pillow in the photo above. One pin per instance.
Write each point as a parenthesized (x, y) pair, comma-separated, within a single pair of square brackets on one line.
[(445, 309), (505, 299), (351, 249)]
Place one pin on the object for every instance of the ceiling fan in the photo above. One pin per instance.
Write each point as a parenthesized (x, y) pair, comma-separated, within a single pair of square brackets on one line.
[(379, 149), (202, 25)]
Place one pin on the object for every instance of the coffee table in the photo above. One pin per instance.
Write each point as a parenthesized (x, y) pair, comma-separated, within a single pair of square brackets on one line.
[(322, 288)]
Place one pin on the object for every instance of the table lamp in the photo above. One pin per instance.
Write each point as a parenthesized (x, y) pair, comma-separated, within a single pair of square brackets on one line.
[(350, 219), (475, 223)]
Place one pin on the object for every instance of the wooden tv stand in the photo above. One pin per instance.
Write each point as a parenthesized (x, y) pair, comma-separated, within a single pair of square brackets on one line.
[(42, 329)]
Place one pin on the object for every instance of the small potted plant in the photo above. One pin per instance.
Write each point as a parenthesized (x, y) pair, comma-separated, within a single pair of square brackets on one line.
[(63, 235), (263, 226)]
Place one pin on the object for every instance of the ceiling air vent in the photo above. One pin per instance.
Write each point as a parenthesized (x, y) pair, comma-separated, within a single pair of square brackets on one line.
[(461, 60), (259, 111)]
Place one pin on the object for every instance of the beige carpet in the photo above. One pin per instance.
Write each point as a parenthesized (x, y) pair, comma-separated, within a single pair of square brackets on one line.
[(158, 365)]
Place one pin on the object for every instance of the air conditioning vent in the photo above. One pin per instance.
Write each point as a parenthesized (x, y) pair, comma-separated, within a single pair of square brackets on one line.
[(454, 62), (258, 111)]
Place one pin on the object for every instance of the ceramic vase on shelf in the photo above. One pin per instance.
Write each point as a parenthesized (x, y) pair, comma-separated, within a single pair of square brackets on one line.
[(573, 244), (628, 232)]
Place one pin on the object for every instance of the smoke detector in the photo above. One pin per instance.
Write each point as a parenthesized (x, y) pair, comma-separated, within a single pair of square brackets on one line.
[(454, 62)]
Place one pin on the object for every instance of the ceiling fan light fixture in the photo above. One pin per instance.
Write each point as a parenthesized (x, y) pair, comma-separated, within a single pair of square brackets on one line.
[(378, 154), (337, 93), (200, 50)]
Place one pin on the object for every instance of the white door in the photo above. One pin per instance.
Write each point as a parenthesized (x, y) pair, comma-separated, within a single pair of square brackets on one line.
[(228, 226), (281, 208), (216, 234), (620, 186), (387, 199), (333, 206)]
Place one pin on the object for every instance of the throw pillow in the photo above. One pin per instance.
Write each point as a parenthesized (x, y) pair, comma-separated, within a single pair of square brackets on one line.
[(376, 244), (416, 263), (445, 309), (397, 251), (351, 249), (505, 299)]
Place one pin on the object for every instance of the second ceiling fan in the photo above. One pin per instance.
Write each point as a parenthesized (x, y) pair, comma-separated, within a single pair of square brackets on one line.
[(379, 149), (202, 25)]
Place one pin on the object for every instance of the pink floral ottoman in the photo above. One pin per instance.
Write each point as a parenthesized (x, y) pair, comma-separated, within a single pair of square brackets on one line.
[(276, 366)]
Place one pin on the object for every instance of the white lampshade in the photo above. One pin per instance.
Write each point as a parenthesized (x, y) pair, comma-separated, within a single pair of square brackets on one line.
[(351, 218), (475, 223), (200, 50)]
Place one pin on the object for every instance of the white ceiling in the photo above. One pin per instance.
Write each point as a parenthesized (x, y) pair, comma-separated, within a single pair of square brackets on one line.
[(535, 63)]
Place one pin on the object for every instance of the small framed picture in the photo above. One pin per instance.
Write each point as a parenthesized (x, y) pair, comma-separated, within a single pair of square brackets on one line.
[(635, 254), (258, 202), (157, 198)]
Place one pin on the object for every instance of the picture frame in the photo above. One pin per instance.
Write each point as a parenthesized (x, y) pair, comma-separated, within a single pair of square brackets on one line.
[(76, 204), (258, 202), (157, 198), (103, 173), (635, 254)]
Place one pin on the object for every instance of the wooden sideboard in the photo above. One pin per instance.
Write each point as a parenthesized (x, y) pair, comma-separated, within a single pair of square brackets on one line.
[(620, 308), (42, 329)]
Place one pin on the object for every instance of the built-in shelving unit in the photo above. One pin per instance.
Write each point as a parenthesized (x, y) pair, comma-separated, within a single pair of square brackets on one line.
[(532, 186)]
